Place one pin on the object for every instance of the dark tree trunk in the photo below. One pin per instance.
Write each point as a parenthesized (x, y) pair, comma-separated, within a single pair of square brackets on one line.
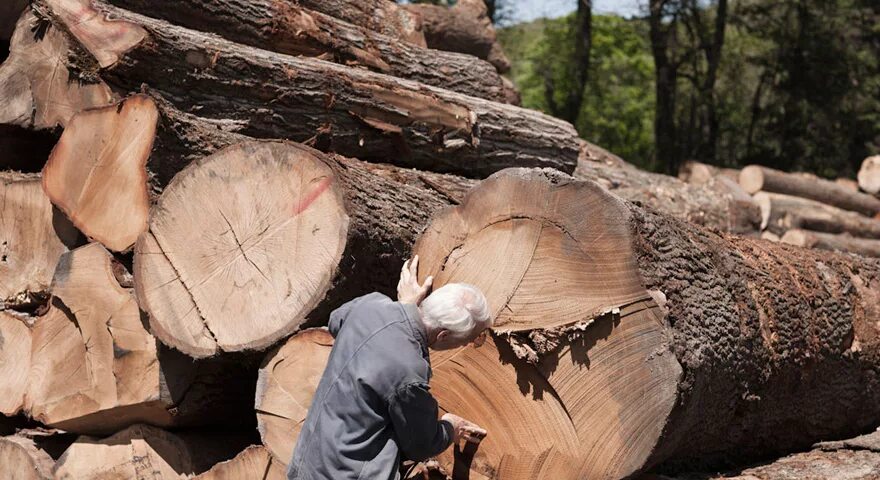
[(665, 134)]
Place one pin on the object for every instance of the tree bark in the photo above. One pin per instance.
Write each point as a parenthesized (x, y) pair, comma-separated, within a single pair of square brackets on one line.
[(780, 213), (831, 241), (717, 204), (349, 111), (624, 338), (383, 16), (465, 28), (869, 175), (288, 28), (755, 178)]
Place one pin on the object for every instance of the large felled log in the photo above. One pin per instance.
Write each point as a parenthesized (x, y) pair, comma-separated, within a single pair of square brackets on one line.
[(22, 459), (142, 452), (288, 380), (718, 202), (350, 111), (465, 27), (37, 89), (869, 175), (32, 237), (254, 463), (754, 347), (95, 176), (383, 16), (289, 28), (831, 241), (212, 233), (755, 178), (780, 213)]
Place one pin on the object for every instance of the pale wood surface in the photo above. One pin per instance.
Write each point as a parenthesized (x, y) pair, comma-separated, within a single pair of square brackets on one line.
[(97, 172)]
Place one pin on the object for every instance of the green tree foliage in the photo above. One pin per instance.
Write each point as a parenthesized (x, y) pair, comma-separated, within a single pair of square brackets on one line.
[(797, 87), (617, 111)]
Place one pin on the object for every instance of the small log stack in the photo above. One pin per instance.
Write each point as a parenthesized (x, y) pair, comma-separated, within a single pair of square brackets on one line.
[(811, 212), (226, 173)]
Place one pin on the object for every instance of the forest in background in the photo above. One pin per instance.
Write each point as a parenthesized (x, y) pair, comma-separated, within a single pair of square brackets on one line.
[(791, 84)]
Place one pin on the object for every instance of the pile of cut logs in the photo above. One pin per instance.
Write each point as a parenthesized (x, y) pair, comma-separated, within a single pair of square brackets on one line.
[(199, 183), (805, 210)]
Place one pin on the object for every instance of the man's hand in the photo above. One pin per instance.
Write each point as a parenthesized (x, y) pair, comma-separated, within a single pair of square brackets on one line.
[(464, 430), (408, 288)]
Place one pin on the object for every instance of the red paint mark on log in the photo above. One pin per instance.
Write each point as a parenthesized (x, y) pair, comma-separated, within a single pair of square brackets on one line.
[(310, 197)]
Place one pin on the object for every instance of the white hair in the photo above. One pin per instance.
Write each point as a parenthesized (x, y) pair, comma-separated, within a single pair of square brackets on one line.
[(457, 307)]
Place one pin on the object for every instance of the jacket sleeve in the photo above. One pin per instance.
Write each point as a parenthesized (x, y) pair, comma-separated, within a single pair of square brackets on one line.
[(420, 434)]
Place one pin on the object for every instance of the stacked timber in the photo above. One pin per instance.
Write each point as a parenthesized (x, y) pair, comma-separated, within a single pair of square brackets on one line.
[(226, 172), (804, 210)]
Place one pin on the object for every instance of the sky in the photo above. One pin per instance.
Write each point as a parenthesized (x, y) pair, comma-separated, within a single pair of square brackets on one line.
[(526, 10)]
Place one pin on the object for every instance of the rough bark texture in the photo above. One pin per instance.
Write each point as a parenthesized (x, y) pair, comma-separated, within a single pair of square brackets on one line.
[(778, 347), (854, 459), (780, 213), (717, 203), (831, 241), (465, 27), (288, 28), (383, 16), (755, 178), (349, 111)]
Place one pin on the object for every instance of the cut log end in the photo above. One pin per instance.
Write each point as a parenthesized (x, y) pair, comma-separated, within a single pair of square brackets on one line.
[(32, 237), (254, 463), (97, 368), (267, 246), (869, 175), (23, 460), (585, 389), (15, 362), (288, 380), (97, 172), (751, 178), (37, 90)]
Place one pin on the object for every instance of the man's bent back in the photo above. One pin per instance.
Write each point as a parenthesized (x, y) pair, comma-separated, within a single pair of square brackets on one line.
[(373, 397)]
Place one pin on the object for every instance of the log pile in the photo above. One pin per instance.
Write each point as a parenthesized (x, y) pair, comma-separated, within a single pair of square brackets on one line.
[(804, 210), (225, 173)]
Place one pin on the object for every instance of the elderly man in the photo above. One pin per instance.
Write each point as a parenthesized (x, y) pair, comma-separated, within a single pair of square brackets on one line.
[(373, 403)]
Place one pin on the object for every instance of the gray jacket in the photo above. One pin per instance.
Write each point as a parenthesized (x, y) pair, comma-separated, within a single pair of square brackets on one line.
[(373, 400)]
